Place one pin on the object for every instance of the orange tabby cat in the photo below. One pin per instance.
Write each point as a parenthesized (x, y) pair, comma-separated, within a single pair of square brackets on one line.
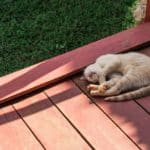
[(134, 77)]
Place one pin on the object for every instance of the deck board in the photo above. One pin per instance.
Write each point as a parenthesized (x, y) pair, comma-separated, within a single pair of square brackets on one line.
[(14, 133), (49, 125), (52, 70), (129, 116), (95, 126)]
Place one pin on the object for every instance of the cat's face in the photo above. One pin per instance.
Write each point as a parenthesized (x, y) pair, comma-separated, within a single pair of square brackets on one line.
[(90, 74)]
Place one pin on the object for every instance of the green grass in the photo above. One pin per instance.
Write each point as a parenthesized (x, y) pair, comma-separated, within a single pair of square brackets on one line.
[(31, 31)]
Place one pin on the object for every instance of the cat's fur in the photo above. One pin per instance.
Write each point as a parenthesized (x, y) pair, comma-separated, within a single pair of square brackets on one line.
[(135, 78)]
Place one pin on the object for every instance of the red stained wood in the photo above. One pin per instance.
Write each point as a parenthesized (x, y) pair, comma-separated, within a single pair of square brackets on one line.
[(145, 103), (129, 116), (147, 17), (48, 124), (52, 70), (13, 132), (95, 126)]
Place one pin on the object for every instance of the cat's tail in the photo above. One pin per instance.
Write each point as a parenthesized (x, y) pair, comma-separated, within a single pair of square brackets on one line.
[(145, 91)]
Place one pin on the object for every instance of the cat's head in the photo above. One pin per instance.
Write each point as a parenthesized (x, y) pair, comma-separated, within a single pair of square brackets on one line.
[(90, 73)]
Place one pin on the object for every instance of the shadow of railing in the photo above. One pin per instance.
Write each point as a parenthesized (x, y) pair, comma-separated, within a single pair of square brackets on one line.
[(34, 77), (32, 108)]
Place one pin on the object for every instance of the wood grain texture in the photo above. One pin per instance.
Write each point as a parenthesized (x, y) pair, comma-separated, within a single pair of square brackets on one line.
[(129, 116), (96, 127), (14, 134), (147, 16), (49, 125), (53, 70)]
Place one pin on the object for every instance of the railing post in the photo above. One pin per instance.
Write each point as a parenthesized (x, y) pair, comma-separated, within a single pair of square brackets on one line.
[(147, 16)]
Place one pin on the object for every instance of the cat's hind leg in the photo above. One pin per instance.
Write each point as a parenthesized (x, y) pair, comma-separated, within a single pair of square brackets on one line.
[(118, 87), (130, 81)]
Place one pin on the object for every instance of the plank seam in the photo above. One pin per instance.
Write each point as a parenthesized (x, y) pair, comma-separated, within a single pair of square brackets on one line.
[(136, 101), (74, 127), (29, 128), (106, 115)]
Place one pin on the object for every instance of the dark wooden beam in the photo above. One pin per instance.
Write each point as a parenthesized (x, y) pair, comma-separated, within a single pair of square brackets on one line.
[(147, 16)]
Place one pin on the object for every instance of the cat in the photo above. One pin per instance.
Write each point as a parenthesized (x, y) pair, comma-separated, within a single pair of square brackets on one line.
[(119, 73)]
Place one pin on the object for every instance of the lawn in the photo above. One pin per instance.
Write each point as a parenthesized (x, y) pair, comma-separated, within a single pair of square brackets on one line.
[(31, 31)]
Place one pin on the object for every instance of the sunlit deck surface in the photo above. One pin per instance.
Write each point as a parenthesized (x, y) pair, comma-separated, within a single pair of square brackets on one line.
[(48, 107)]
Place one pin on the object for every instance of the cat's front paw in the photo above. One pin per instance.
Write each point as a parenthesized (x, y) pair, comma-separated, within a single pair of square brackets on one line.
[(103, 88), (96, 93), (91, 87), (97, 90)]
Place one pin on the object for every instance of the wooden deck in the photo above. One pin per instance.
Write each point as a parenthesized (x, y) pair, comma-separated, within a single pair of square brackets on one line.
[(62, 115)]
